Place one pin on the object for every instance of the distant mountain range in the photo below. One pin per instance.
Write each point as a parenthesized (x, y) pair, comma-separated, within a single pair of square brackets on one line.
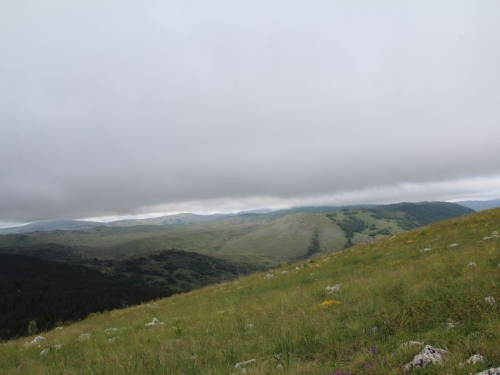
[(179, 219), (189, 218), (480, 205), (51, 225)]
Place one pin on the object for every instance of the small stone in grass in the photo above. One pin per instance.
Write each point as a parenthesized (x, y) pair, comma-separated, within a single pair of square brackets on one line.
[(155, 322), (491, 371), (472, 360), (241, 365), (83, 337), (410, 344), (334, 288), (37, 340), (490, 300), (427, 356)]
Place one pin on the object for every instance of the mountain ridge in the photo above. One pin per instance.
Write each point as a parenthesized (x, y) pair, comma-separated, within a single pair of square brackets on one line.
[(480, 205)]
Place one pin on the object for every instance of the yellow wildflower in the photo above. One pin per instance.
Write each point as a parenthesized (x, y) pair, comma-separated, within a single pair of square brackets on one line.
[(328, 303)]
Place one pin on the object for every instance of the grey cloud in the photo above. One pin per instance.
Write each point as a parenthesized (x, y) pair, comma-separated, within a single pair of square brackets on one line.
[(113, 107)]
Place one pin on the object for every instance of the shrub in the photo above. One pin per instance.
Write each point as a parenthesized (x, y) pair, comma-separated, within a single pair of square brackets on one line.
[(32, 328)]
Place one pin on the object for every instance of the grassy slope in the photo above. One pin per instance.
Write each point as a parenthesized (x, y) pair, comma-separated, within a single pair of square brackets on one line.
[(407, 294)]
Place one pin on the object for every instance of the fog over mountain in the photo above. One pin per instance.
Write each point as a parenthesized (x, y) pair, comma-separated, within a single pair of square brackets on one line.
[(123, 108)]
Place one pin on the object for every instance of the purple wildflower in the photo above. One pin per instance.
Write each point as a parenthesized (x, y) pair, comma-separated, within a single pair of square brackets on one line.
[(373, 350)]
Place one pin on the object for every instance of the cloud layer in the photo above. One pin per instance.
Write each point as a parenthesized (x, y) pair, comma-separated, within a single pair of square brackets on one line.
[(120, 108)]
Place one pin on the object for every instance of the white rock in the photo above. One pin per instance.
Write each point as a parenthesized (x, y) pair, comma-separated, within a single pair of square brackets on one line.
[(334, 288), (268, 276), (427, 356), (491, 371), (109, 330), (425, 249), (374, 330), (494, 234), (472, 264), (410, 344), (84, 336), (450, 325), (112, 339), (473, 360), (486, 238), (283, 272), (155, 322), (44, 352), (297, 268), (241, 366), (453, 245), (490, 300), (36, 341), (58, 328), (57, 346), (249, 326)]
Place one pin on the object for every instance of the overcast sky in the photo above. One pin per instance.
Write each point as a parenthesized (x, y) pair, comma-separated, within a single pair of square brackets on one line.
[(125, 107)]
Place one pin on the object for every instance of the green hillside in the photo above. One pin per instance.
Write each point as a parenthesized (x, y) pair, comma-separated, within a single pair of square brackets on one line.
[(416, 286), (264, 240)]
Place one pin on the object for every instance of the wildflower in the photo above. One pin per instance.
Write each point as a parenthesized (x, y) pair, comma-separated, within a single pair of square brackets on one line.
[(373, 350), (328, 303)]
